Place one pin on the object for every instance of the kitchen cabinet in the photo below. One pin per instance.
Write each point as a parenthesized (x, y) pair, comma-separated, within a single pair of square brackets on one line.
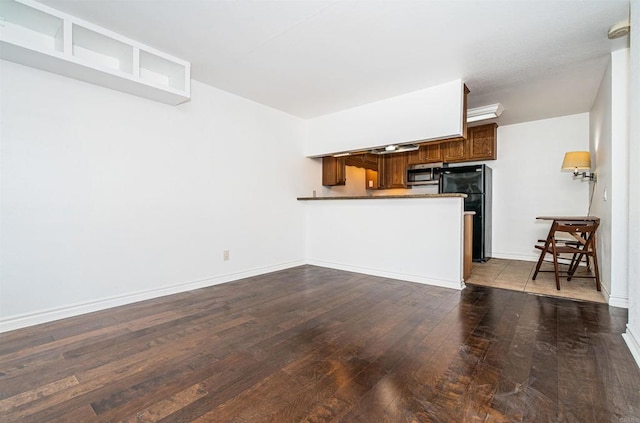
[(393, 170), (481, 144), (432, 153), (389, 171), (368, 162), (454, 151), (36, 35), (415, 157), (364, 160), (428, 153), (333, 171)]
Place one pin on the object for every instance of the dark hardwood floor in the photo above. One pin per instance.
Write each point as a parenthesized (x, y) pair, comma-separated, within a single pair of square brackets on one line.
[(310, 344)]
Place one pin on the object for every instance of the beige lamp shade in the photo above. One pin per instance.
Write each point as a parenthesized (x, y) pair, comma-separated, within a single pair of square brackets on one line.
[(577, 160)]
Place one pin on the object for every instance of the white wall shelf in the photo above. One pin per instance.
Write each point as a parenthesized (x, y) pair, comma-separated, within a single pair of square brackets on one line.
[(41, 37), (161, 70)]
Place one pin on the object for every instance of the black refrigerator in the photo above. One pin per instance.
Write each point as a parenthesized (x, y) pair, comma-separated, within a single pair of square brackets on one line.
[(475, 181)]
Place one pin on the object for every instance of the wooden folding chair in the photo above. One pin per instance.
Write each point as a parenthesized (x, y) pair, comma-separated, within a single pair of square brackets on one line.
[(582, 244)]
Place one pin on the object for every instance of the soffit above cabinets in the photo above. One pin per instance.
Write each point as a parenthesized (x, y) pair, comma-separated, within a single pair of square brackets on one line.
[(42, 37), (433, 113)]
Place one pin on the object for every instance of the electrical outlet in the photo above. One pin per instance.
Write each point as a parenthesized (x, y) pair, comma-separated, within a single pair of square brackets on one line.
[(225, 255)]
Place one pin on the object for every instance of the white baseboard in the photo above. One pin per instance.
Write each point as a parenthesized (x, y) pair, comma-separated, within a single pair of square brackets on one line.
[(614, 301), (457, 285), (525, 257), (514, 256), (618, 302), (45, 316), (605, 293), (633, 343)]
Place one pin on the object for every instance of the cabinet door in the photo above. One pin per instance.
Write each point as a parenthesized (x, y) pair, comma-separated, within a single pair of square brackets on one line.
[(365, 161), (353, 160), (370, 161), (454, 151), (431, 153), (394, 170), (482, 142), (333, 171), (428, 153), (415, 157)]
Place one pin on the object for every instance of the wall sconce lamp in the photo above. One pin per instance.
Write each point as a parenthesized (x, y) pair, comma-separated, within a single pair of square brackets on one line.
[(577, 161)]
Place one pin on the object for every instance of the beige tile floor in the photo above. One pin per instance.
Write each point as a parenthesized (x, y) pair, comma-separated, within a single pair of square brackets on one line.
[(516, 275)]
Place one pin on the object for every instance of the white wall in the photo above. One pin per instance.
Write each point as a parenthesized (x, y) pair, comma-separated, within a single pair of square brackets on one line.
[(417, 240), (609, 143), (109, 198), (619, 189), (527, 182), (600, 147), (632, 335), (431, 113)]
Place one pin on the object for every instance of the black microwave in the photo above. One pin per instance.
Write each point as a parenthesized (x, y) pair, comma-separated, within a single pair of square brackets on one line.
[(424, 174)]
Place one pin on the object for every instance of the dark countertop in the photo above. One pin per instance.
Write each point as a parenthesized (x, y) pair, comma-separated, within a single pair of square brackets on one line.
[(385, 197)]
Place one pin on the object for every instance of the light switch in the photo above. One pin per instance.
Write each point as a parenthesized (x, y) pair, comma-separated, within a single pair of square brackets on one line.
[(604, 194)]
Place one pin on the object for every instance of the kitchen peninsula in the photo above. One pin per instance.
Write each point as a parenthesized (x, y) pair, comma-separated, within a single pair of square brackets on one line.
[(417, 238)]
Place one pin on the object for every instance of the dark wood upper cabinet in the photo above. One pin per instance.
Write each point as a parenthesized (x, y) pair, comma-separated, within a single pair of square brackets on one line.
[(454, 151), (428, 153), (432, 153), (482, 142), (415, 157), (364, 160), (333, 171), (368, 162)]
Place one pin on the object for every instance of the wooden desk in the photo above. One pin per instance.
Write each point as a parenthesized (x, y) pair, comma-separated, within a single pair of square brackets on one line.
[(568, 220), (571, 218)]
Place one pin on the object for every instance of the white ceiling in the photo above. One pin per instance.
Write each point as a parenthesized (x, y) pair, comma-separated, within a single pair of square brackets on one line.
[(538, 58)]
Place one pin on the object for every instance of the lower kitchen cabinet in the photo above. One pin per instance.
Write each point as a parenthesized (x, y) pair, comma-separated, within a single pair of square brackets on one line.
[(333, 171)]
